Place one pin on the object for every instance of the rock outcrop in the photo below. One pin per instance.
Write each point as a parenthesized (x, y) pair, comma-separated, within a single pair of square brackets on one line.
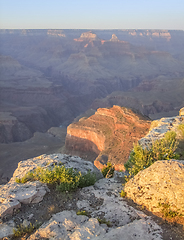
[(160, 127), (181, 113), (161, 183), (13, 193), (109, 132), (101, 201)]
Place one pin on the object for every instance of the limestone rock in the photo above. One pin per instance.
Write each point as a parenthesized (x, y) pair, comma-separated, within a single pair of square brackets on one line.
[(103, 202), (159, 128), (13, 194), (6, 229), (137, 230), (54, 159), (162, 182), (67, 225), (181, 112)]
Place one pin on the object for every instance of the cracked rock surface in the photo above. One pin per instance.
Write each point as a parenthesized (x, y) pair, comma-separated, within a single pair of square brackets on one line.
[(108, 215)]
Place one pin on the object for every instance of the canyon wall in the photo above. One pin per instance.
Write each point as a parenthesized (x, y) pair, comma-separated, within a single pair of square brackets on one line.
[(110, 133)]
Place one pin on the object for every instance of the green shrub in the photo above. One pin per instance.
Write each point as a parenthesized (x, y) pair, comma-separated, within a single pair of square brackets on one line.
[(84, 213), (87, 179), (167, 212), (181, 130), (108, 171), (21, 230), (123, 193), (104, 221), (162, 149), (65, 179)]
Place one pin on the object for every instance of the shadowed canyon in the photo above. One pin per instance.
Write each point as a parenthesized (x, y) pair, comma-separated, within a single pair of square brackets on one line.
[(48, 78)]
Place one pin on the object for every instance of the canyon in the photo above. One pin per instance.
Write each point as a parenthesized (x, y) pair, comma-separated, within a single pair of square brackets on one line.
[(49, 77)]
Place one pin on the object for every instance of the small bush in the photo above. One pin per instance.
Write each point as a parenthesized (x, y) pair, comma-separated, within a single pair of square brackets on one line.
[(65, 179), (84, 213), (108, 171), (167, 212), (123, 193), (104, 221), (162, 149), (21, 230), (181, 130)]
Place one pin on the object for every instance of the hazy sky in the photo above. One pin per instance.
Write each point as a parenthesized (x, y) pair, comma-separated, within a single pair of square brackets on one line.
[(92, 14)]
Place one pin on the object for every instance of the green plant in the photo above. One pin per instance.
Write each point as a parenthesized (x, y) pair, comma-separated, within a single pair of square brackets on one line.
[(108, 171), (21, 230), (167, 212), (123, 193), (65, 179), (162, 149), (87, 179), (181, 130), (104, 221), (82, 213)]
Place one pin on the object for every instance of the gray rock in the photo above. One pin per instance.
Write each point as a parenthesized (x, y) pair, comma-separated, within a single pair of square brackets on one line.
[(13, 194), (159, 128), (67, 225), (137, 230), (46, 161), (6, 229)]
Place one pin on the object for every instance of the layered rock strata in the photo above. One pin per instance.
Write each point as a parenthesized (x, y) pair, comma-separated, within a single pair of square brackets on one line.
[(109, 133)]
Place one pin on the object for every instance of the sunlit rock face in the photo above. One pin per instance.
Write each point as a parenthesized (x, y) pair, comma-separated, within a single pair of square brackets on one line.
[(159, 184), (110, 133)]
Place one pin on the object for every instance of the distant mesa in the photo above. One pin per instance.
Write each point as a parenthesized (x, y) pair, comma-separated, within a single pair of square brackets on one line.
[(87, 36), (114, 38), (58, 33)]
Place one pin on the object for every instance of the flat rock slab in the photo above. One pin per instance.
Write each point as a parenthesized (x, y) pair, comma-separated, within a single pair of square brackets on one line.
[(13, 194), (162, 182), (123, 220)]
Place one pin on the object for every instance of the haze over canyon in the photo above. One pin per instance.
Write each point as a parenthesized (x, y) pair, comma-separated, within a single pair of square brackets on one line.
[(50, 77)]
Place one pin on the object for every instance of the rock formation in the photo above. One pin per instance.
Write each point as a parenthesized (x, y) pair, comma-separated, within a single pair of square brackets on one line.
[(109, 132), (181, 113), (161, 183), (160, 127), (101, 201), (13, 194)]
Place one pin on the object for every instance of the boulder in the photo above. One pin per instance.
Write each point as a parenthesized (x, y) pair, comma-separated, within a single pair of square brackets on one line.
[(161, 183)]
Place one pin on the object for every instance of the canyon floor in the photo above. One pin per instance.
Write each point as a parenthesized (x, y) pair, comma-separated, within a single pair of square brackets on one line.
[(40, 143)]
